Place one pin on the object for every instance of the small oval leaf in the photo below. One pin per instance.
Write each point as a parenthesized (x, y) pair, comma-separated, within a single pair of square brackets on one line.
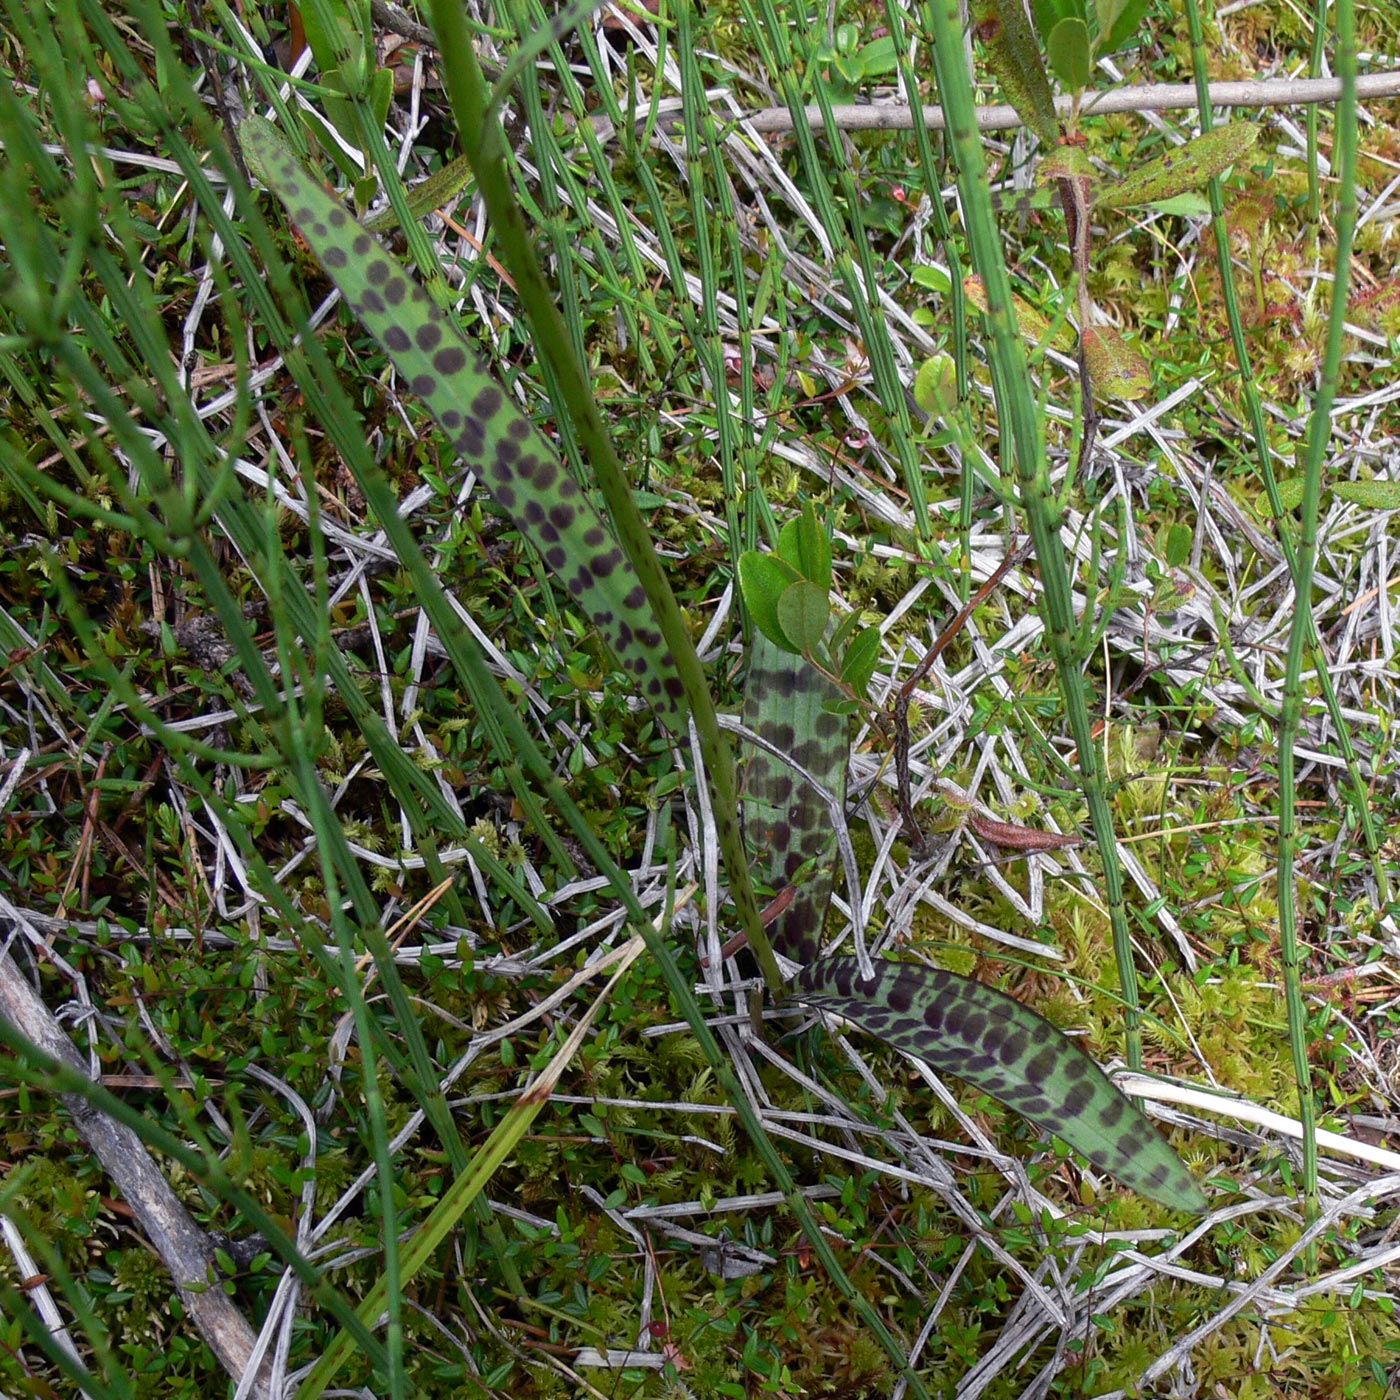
[(803, 612), (1116, 29), (1068, 51), (763, 579), (1034, 327), (858, 664), (1378, 495), (803, 543), (1116, 368), (936, 385)]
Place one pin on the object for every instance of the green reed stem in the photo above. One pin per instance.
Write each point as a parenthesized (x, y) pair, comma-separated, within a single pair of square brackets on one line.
[(485, 148), (1300, 557), (1344, 156), (1016, 404)]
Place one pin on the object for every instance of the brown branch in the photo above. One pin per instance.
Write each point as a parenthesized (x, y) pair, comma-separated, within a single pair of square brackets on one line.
[(184, 1248), (1136, 97)]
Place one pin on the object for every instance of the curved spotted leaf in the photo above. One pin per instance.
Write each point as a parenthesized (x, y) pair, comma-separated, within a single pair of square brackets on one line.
[(510, 455), (1188, 167), (1014, 57), (786, 824), (981, 1035)]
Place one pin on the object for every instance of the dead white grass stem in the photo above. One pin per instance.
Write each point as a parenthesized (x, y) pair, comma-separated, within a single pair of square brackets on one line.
[(1144, 1087), (185, 1250), (1136, 97)]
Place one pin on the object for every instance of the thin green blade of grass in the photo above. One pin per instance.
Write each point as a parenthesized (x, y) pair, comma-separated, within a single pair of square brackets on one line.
[(708, 187), (1299, 555), (465, 1189), (491, 435), (1020, 422), (484, 143), (785, 48), (1299, 635)]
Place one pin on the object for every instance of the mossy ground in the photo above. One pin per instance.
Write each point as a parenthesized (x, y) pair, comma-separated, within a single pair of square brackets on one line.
[(191, 977)]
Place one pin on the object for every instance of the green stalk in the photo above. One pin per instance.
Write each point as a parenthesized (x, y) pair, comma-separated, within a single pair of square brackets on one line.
[(485, 148), (1299, 634), (710, 344), (931, 170), (1259, 431), (846, 232), (1302, 556), (1315, 57), (1016, 405)]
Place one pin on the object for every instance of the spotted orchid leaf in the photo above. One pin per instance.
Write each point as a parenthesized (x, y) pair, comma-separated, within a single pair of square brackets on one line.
[(785, 821), (491, 435), (988, 1039), (955, 1024)]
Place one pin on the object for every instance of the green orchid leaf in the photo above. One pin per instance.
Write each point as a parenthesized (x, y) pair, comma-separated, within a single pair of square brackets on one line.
[(1014, 57), (988, 1039), (331, 45), (1187, 167), (787, 825), (763, 579), (1067, 163), (803, 613), (1068, 49), (803, 543), (509, 454)]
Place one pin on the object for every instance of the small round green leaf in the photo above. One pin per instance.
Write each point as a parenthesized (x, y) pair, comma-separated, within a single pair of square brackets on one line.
[(803, 612), (936, 385), (1069, 53), (763, 579)]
